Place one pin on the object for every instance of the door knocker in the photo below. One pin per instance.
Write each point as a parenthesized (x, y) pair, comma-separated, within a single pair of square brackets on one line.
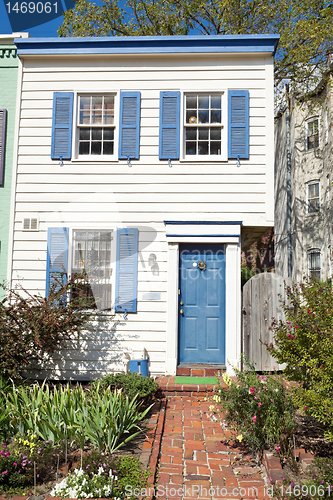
[(202, 266)]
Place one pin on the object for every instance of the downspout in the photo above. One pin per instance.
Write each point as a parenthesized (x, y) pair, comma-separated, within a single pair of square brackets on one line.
[(288, 182)]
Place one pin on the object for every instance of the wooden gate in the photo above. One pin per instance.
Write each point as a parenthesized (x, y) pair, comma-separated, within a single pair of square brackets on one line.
[(262, 296)]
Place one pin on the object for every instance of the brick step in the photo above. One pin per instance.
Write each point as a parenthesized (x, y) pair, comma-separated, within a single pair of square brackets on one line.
[(200, 370), (169, 389)]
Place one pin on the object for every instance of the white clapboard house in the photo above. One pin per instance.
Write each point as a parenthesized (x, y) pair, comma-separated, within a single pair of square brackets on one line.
[(147, 164)]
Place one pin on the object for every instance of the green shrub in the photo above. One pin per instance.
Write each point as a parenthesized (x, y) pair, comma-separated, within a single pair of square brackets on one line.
[(304, 341), (33, 327), (131, 384), (257, 408)]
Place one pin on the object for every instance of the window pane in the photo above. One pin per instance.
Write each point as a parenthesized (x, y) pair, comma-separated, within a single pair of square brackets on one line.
[(203, 148), (216, 101), (84, 148), (108, 134), (191, 116), (215, 134), (191, 102), (215, 148), (84, 134), (96, 116), (203, 116), (107, 148), (85, 117), (215, 116), (108, 110), (190, 148), (191, 134), (203, 133), (96, 148), (96, 134), (203, 102), (96, 102)]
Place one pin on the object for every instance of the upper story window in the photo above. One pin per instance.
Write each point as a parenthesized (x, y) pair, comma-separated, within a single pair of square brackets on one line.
[(314, 263), (203, 123), (313, 197), (96, 125), (312, 133)]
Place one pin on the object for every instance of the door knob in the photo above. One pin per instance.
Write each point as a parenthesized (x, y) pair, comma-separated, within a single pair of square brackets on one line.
[(181, 311)]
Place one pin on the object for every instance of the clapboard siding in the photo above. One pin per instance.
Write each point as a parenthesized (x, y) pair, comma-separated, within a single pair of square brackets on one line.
[(109, 194)]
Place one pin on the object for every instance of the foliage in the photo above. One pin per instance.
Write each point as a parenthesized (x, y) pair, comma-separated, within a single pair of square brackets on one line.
[(257, 408), (306, 28), (108, 420), (304, 341), (33, 327), (131, 385), (316, 484), (127, 469), (17, 461), (246, 274)]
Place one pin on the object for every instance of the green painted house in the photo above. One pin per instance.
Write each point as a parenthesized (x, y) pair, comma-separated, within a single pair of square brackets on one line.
[(8, 95)]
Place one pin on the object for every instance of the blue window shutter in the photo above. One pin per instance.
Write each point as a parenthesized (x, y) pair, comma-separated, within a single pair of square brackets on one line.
[(3, 116), (129, 127), (238, 124), (126, 270), (169, 125), (57, 256), (62, 125)]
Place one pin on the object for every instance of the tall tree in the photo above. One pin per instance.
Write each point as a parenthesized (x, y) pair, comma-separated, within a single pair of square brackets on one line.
[(306, 28)]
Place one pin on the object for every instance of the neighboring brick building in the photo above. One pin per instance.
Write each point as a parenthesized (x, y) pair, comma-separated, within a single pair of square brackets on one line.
[(311, 177), (8, 95)]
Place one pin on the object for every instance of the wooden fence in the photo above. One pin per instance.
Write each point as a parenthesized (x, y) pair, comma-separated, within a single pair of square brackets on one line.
[(262, 296)]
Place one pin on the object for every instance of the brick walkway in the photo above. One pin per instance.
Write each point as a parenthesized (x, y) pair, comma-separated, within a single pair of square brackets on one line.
[(195, 461)]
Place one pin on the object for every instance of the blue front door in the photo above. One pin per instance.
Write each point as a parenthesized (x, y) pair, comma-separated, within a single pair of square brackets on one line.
[(202, 304)]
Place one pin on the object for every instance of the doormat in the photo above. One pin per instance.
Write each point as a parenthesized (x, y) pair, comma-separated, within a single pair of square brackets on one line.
[(196, 380)]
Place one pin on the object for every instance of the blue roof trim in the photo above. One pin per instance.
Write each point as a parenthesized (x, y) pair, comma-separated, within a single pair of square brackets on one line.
[(205, 222), (149, 44)]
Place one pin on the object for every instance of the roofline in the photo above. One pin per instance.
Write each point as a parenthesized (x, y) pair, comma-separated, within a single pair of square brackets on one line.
[(203, 44)]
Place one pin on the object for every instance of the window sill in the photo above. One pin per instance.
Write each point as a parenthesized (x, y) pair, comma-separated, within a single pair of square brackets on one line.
[(204, 159), (94, 159)]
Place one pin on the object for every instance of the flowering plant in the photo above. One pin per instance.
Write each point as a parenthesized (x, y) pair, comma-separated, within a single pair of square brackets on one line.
[(80, 485), (257, 408), (304, 341)]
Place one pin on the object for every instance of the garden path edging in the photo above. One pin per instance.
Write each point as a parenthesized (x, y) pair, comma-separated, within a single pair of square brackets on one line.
[(273, 468)]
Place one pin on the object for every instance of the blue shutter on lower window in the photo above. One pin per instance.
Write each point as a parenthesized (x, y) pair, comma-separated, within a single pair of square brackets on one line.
[(57, 257), (62, 125), (238, 124), (129, 126), (126, 270), (169, 125)]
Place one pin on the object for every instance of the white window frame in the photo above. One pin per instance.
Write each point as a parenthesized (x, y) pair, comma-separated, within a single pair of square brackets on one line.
[(308, 121), (310, 269), (76, 127), (224, 126), (113, 232), (311, 183)]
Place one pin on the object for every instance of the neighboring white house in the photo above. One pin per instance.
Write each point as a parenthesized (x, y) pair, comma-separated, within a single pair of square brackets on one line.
[(147, 163), (304, 233)]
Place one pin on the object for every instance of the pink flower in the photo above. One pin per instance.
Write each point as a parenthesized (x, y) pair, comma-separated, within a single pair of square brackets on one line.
[(254, 418), (6, 472), (259, 404), (14, 463), (296, 327), (290, 336), (252, 390), (277, 447)]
